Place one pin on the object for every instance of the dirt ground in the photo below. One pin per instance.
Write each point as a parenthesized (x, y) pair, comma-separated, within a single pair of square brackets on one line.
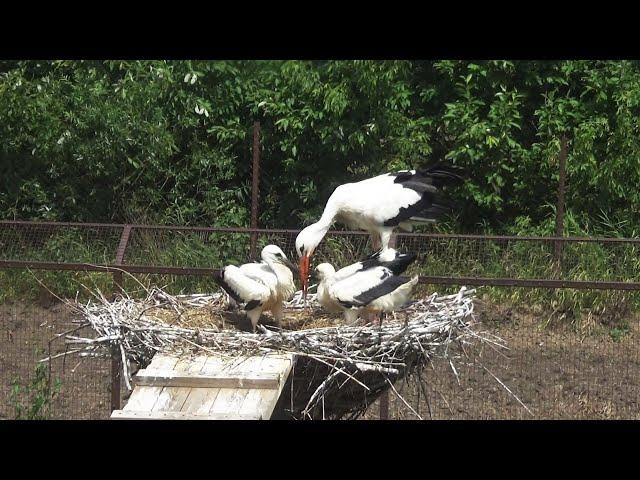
[(25, 331), (556, 372)]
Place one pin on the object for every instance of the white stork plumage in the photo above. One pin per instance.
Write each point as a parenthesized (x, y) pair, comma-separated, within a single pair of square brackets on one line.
[(392, 260), (357, 290), (379, 205), (259, 287)]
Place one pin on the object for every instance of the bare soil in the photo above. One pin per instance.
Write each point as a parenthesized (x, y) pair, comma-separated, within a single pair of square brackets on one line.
[(25, 332), (558, 372)]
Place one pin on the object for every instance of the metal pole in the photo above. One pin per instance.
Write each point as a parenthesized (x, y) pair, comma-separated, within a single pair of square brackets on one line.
[(384, 405), (115, 380), (255, 187), (116, 360), (562, 165)]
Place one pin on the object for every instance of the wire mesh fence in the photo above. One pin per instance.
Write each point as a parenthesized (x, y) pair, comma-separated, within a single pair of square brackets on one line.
[(68, 387), (568, 367), (557, 374)]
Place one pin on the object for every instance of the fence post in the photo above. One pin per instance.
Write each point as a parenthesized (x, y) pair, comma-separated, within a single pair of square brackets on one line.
[(116, 360), (255, 188), (384, 405), (562, 165)]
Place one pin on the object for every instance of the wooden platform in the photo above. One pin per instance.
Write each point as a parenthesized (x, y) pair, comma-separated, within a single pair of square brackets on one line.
[(207, 387)]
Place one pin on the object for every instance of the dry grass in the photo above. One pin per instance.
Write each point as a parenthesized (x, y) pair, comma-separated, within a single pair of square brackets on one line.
[(220, 317)]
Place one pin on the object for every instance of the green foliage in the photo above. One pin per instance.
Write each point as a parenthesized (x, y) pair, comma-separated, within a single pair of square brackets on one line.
[(120, 140), (617, 333), (39, 394), (169, 141)]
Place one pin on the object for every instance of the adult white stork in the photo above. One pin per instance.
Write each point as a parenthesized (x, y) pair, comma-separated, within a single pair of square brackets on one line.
[(259, 287), (379, 205), (374, 289)]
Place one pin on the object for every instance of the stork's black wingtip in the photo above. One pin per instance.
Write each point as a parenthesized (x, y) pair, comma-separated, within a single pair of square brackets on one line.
[(410, 256), (444, 167), (218, 278)]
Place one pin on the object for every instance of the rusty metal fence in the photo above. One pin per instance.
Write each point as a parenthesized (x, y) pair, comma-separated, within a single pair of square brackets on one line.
[(558, 371)]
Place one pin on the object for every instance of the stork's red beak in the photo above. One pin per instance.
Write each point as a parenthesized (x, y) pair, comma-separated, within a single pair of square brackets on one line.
[(304, 275)]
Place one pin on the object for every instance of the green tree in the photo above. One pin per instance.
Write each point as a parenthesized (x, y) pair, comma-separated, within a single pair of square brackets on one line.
[(170, 141)]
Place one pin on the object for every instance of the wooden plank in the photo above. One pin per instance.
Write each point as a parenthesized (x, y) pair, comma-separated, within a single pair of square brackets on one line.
[(247, 366), (270, 363), (252, 401), (143, 398), (200, 400), (268, 403), (273, 364), (150, 397), (225, 396), (231, 366), (162, 362), (238, 400), (190, 364), (282, 365), (210, 386), (162, 399), (229, 401), (171, 399), (222, 380), (134, 415), (213, 365), (198, 364), (269, 400)]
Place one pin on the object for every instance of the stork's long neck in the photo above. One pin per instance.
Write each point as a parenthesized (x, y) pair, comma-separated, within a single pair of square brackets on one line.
[(328, 281), (328, 215), (327, 218)]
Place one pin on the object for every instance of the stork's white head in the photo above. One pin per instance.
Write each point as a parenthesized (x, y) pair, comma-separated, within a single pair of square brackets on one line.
[(274, 254), (324, 271), (309, 238), (306, 242)]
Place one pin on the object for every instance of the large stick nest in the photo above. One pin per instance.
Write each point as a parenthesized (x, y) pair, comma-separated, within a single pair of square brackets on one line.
[(340, 369)]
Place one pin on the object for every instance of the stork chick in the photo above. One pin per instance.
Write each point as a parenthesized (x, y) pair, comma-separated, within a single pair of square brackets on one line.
[(259, 287), (374, 289)]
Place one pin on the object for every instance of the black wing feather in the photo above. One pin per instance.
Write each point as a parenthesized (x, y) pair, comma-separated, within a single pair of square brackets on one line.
[(428, 182), (218, 277), (252, 304), (387, 286), (397, 266), (442, 174)]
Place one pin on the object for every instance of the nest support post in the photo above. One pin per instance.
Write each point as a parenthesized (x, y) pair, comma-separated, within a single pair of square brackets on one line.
[(116, 360), (255, 185)]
